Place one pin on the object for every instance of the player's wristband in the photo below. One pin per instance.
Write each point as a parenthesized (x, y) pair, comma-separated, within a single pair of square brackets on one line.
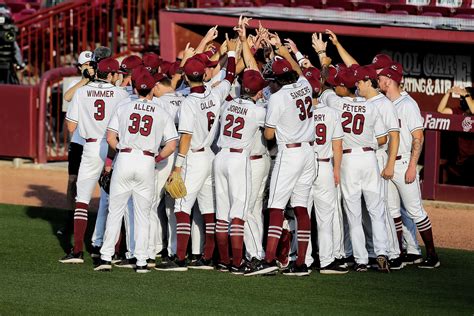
[(108, 162), (158, 158), (321, 52), (299, 56), (179, 160)]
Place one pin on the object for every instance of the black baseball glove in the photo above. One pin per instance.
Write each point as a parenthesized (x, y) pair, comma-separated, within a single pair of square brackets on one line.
[(104, 180)]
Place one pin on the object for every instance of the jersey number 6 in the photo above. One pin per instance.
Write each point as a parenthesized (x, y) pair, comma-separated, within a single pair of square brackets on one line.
[(135, 125)]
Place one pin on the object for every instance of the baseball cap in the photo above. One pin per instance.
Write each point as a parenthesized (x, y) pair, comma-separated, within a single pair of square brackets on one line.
[(84, 57), (151, 61), (394, 72), (345, 78), (281, 66), (313, 75), (194, 67), (159, 76), (381, 61), (204, 57), (252, 81), (331, 79), (365, 73), (138, 71), (165, 66), (145, 81), (173, 68), (109, 65), (131, 62)]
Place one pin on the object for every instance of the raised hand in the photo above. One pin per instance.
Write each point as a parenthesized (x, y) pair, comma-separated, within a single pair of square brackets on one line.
[(318, 43), (332, 37), (291, 46)]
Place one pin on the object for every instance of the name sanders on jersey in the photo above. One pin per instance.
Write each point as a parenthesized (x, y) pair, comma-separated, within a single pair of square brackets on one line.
[(300, 93), (144, 107), (353, 108), (100, 93), (237, 109)]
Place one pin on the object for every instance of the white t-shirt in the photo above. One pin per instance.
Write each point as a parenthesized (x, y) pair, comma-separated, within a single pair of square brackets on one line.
[(199, 112), (240, 121), (290, 112), (93, 106), (388, 114), (410, 120), (328, 128), (142, 125), (361, 120)]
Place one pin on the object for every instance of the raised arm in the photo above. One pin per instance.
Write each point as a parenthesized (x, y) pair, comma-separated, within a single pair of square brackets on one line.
[(345, 56), (442, 106), (210, 36)]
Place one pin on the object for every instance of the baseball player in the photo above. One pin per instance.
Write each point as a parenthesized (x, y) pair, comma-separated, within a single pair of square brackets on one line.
[(127, 66), (406, 178), (141, 126), (91, 109), (290, 118), (240, 120), (194, 161)]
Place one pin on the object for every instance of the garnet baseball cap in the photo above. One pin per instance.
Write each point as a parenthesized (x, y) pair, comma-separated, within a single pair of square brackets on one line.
[(173, 68), (85, 57), (165, 66), (281, 66), (159, 76), (345, 78), (331, 79), (394, 72), (151, 61), (194, 67), (138, 71), (131, 62), (252, 81), (109, 65), (204, 57), (313, 75), (365, 73), (381, 61), (145, 81)]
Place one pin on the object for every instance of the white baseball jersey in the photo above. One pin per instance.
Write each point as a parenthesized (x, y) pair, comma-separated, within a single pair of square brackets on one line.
[(409, 118), (290, 112), (198, 113), (361, 121), (142, 125), (240, 121), (75, 138), (93, 106), (171, 101), (328, 128), (388, 114)]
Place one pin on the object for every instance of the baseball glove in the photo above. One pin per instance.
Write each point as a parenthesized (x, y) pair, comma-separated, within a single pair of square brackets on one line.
[(104, 180), (175, 186)]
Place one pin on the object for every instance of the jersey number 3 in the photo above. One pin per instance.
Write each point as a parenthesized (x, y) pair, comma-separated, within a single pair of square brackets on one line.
[(99, 114), (136, 119), (240, 121)]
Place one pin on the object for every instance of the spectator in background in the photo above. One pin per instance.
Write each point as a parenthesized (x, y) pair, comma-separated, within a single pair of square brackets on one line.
[(463, 166)]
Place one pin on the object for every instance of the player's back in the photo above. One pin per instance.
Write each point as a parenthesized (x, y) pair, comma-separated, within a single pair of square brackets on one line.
[(171, 102), (388, 114), (96, 103), (409, 118), (141, 124), (290, 113), (240, 121), (328, 128)]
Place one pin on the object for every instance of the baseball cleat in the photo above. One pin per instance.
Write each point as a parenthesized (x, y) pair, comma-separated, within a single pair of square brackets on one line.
[(116, 259), (201, 264), (163, 253), (382, 263), (263, 268), (151, 263), (168, 258), (340, 262), (373, 264), (333, 268), (105, 266), (430, 262), (360, 267), (222, 267), (295, 270), (411, 258), (175, 265), (95, 252), (142, 269), (127, 263), (238, 270), (349, 261), (396, 264), (73, 258), (283, 264)]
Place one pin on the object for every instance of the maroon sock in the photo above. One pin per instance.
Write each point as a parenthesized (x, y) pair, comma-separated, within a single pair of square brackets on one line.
[(284, 246), (80, 225), (424, 227), (303, 233), (237, 240), (183, 231), (399, 229), (209, 220), (117, 245), (222, 238), (274, 232)]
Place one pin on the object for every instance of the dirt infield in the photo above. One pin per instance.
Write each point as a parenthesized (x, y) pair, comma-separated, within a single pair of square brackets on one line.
[(453, 224)]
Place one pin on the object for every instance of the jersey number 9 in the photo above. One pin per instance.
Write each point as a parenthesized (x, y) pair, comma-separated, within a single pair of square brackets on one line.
[(321, 134)]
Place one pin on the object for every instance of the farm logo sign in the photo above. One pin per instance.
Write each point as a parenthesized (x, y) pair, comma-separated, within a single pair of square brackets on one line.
[(436, 122), (432, 74)]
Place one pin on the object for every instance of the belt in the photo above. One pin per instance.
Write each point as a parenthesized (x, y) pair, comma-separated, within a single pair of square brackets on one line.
[(323, 159), (348, 151), (398, 158), (145, 152), (255, 157), (197, 150), (91, 140), (236, 150), (296, 145)]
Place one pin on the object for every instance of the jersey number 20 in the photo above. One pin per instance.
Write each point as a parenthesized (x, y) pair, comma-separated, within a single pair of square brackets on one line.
[(136, 119), (357, 123)]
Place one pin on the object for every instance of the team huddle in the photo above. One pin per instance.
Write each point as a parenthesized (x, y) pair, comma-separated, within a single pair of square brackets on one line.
[(205, 148)]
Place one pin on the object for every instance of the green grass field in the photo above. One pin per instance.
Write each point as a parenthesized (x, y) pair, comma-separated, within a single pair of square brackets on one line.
[(33, 282)]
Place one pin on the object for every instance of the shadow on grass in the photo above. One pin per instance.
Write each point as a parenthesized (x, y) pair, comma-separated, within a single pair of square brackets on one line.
[(60, 220)]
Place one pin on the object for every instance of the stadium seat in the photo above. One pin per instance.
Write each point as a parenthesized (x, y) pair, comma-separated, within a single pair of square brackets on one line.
[(275, 5), (464, 16), (309, 3), (16, 7), (367, 10), (398, 12), (443, 11), (309, 7), (433, 14), (284, 3), (410, 9), (468, 11), (344, 4), (23, 14), (372, 6)]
